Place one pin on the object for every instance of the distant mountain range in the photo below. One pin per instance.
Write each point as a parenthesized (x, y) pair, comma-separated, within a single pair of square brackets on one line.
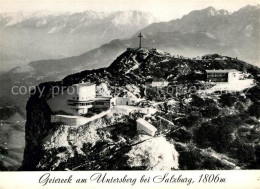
[(197, 33), (44, 35), (211, 30)]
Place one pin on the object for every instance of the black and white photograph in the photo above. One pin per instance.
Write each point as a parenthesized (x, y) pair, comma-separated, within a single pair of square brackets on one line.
[(128, 85)]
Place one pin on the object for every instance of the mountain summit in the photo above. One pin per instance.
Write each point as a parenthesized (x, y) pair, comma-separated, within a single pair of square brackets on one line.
[(207, 12), (180, 120), (137, 65)]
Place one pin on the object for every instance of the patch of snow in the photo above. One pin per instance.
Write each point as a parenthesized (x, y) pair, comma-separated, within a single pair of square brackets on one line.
[(248, 31), (22, 69), (41, 23), (132, 17), (56, 29), (210, 35), (57, 139), (137, 64), (155, 154)]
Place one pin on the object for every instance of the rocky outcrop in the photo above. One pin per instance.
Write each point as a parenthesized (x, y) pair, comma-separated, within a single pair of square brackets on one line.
[(37, 127), (154, 154), (97, 145)]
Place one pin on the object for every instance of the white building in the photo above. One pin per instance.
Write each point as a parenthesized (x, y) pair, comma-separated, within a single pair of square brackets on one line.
[(143, 125), (78, 99), (124, 101), (158, 82), (75, 100), (102, 103), (226, 75), (229, 80)]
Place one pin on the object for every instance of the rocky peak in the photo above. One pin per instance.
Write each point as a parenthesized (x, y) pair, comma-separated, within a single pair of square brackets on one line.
[(207, 12), (250, 8), (223, 12), (248, 11), (132, 17), (133, 58), (210, 11)]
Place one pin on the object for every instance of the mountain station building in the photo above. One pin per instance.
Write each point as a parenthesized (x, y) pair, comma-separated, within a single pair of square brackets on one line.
[(226, 75), (78, 100)]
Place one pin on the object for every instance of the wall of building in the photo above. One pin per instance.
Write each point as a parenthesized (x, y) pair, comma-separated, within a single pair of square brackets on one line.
[(143, 125), (102, 104), (233, 76), (124, 101), (69, 120), (217, 77), (159, 83), (76, 120), (60, 101), (83, 92), (64, 120)]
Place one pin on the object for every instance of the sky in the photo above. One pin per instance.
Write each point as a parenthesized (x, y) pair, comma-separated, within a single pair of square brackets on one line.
[(163, 10)]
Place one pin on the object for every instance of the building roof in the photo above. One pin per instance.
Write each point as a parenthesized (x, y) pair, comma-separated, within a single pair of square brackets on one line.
[(222, 71), (83, 84), (146, 124), (82, 101), (103, 98)]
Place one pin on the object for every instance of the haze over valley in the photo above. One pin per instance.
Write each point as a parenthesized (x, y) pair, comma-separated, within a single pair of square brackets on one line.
[(26, 37)]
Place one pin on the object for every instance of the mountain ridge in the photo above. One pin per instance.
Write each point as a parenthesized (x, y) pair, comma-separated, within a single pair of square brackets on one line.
[(223, 44), (57, 147), (47, 35), (185, 43)]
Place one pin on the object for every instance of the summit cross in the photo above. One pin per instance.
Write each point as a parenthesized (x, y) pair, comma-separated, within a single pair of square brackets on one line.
[(140, 36)]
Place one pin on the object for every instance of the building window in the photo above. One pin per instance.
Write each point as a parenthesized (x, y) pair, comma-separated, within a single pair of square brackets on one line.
[(77, 98), (99, 103)]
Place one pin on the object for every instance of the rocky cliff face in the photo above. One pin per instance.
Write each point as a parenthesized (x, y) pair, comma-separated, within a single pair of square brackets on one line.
[(37, 127), (184, 123)]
